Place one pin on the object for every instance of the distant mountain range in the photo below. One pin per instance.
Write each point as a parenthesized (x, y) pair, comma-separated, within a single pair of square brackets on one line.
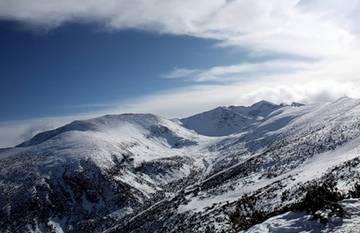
[(261, 168)]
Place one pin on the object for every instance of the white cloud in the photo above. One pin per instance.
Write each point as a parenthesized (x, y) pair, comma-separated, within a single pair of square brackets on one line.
[(308, 87), (244, 70), (324, 31), (309, 28), (14, 132), (187, 101), (276, 25), (181, 73), (175, 16)]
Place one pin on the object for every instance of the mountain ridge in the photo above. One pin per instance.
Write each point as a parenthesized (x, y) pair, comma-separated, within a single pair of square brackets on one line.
[(93, 123), (222, 121), (141, 172)]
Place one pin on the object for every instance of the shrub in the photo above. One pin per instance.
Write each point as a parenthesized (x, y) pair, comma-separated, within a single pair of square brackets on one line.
[(322, 201)]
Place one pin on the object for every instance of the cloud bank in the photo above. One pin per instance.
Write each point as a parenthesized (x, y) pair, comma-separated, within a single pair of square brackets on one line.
[(304, 27)]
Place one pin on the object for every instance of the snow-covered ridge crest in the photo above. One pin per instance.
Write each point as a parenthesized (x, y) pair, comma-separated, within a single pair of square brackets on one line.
[(135, 172), (122, 126), (223, 121), (217, 122)]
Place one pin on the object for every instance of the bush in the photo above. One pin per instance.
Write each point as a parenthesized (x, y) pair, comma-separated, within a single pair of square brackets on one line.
[(355, 192), (322, 201)]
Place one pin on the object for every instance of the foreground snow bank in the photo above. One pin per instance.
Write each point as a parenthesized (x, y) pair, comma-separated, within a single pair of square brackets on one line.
[(303, 222)]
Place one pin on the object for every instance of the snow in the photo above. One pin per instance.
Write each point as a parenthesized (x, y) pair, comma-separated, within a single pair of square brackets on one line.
[(302, 222), (101, 138), (137, 183), (286, 223), (224, 121), (55, 226), (316, 166), (199, 203), (312, 169), (131, 141)]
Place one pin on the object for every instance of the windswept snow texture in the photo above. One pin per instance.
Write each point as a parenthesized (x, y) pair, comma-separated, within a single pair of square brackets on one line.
[(230, 169)]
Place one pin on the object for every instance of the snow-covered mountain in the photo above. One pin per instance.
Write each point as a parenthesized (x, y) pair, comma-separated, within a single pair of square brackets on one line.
[(262, 168), (223, 121)]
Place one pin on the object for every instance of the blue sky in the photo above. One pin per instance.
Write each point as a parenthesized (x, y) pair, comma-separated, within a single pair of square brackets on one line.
[(82, 67), (72, 59)]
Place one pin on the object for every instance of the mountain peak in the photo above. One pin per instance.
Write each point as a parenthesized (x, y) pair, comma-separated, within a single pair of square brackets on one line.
[(104, 122), (263, 108), (296, 104), (263, 103), (130, 169), (223, 121)]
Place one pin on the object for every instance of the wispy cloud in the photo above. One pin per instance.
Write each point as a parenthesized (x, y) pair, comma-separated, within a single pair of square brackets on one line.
[(180, 73), (324, 31), (15, 132), (238, 72)]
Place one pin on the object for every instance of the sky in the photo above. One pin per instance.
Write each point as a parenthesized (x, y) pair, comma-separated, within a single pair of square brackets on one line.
[(72, 59)]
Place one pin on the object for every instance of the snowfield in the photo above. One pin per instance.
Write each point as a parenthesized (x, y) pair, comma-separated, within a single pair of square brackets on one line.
[(302, 222), (230, 169)]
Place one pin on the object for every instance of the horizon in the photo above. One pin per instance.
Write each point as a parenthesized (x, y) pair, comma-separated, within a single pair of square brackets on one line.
[(48, 124), (72, 60)]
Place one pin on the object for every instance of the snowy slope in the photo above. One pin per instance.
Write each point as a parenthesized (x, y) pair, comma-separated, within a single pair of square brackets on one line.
[(303, 222), (227, 169), (223, 121), (97, 166), (274, 162), (313, 139)]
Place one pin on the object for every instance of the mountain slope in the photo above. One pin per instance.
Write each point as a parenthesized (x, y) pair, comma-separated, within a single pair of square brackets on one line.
[(302, 222), (144, 173), (224, 121), (87, 169), (265, 171)]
